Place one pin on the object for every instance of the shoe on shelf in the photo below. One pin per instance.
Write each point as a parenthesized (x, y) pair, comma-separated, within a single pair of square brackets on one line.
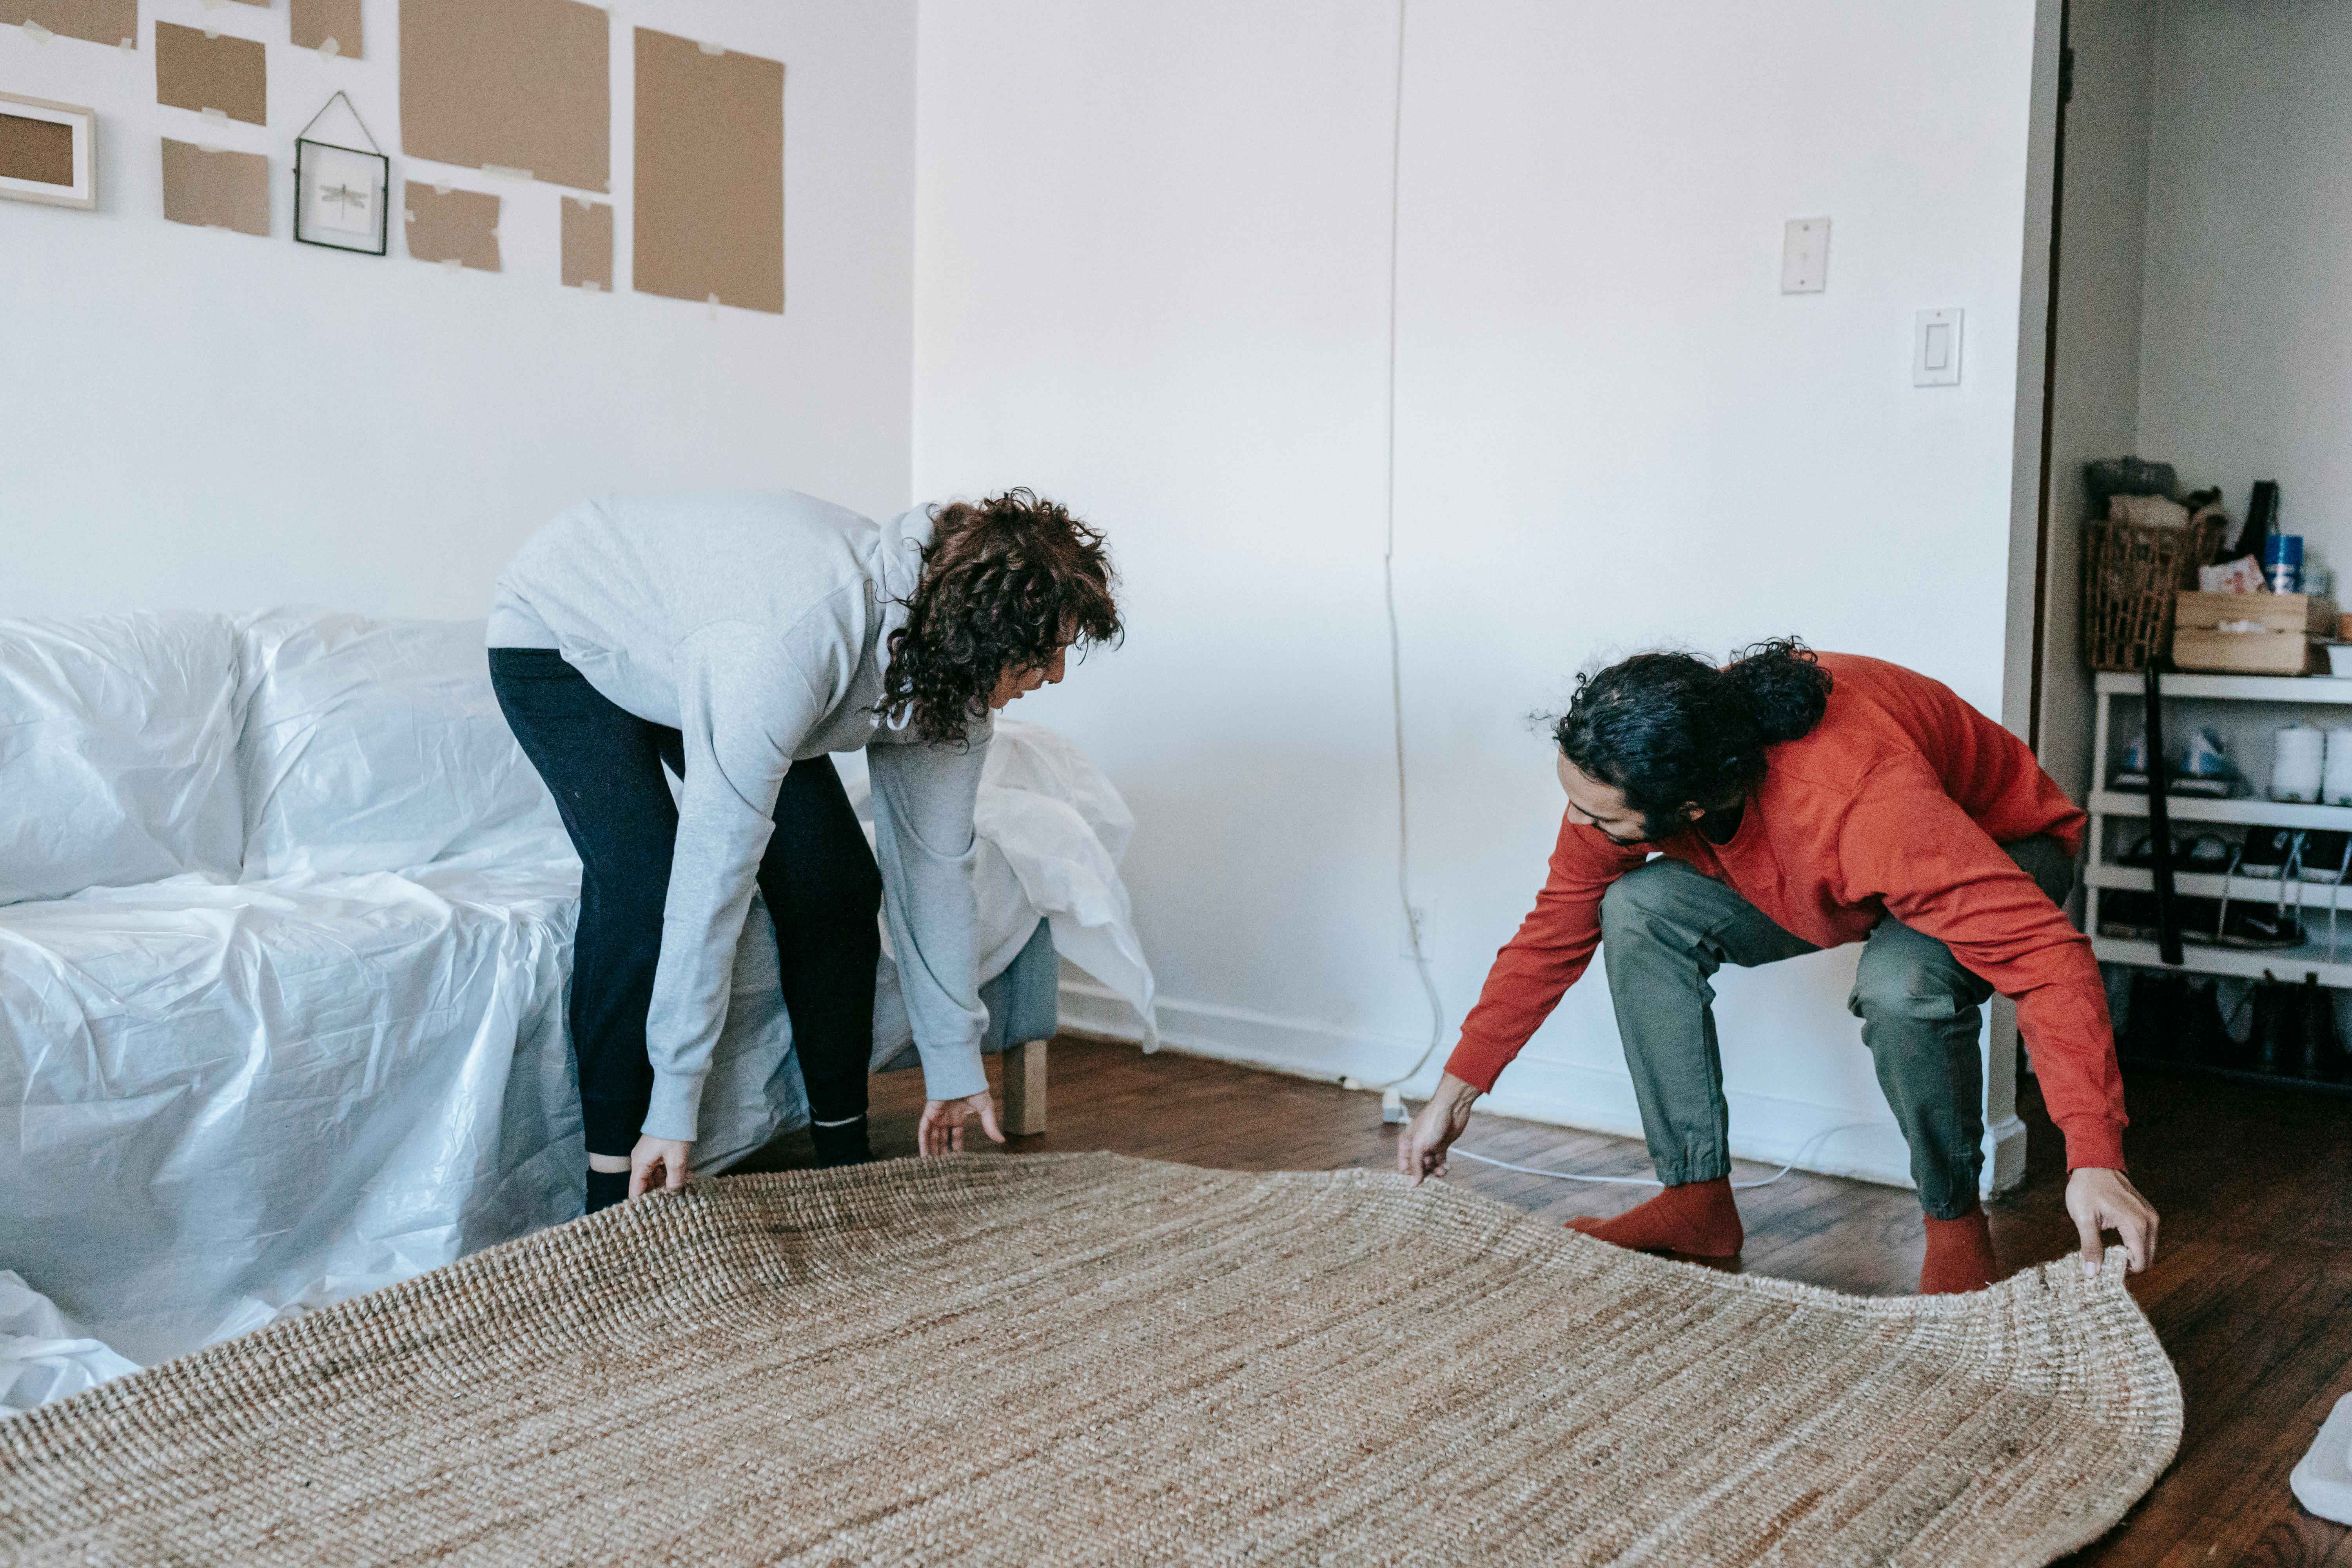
[(2205, 769), (2327, 856), (2269, 852), (2209, 853), (2132, 917), (2262, 926), (2132, 776), (2206, 854)]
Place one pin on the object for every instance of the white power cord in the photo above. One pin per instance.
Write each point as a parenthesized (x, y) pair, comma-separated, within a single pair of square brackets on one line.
[(1392, 1108), (1802, 1150), (1393, 1111)]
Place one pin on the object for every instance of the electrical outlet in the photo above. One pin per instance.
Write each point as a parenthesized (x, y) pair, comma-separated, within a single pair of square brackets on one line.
[(1805, 256), (1416, 924)]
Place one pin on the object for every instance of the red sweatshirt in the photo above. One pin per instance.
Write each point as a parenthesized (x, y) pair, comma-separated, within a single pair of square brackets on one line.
[(1897, 804)]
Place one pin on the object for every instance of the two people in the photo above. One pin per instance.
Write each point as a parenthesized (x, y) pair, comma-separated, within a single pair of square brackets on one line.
[(1788, 803), (737, 642)]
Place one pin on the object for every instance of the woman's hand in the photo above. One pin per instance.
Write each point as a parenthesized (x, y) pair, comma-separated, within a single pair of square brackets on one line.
[(941, 1128), (657, 1162), (1422, 1146), (2101, 1200)]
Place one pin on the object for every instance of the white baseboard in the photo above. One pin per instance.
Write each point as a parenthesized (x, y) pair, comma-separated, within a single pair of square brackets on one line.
[(1771, 1128)]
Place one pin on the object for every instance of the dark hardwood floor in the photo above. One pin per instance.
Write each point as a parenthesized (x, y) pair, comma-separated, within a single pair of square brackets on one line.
[(2251, 1291)]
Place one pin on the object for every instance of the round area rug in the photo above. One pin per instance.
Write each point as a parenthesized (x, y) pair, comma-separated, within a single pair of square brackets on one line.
[(1068, 1359)]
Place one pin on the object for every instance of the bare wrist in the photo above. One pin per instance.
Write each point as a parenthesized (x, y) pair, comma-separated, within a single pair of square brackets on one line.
[(1454, 1091)]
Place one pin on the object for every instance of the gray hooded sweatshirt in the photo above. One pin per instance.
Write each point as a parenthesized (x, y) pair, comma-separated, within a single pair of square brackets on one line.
[(758, 626)]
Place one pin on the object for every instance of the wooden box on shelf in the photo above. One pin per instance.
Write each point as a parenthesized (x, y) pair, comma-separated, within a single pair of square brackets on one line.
[(2292, 625)]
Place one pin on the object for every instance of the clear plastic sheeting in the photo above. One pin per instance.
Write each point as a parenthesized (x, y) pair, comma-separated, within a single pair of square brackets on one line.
[(1052, 832), (42, 1356), (373, 746), (117, 737), (229, 1099), (1063, 831), (225, 1091)]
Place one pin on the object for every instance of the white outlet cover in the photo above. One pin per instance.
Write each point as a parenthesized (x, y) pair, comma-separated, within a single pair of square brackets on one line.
[(1805, 256), (1407, 921)]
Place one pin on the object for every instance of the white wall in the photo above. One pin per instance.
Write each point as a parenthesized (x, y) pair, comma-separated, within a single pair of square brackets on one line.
[(2246, 344), (194, 417), (1150, 278)]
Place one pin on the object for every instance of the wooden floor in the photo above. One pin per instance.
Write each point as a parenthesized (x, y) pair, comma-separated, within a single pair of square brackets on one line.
[(2252, 1291)]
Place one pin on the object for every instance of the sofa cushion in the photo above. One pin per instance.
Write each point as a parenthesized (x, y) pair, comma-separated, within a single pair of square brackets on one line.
[(376, 745), (117, 753)]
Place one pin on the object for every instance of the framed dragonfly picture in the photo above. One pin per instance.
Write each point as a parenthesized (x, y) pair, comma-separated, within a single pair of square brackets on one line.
[(339, 194)]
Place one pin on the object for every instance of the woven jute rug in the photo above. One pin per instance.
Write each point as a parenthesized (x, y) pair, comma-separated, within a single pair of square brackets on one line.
[(1091, 1359)]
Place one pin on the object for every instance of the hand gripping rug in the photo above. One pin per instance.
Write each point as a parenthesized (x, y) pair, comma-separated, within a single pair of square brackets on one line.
[(1087, 1359)]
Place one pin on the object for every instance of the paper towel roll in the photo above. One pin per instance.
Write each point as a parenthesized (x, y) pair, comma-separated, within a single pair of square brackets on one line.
[(2297, 763), (2335, 786)]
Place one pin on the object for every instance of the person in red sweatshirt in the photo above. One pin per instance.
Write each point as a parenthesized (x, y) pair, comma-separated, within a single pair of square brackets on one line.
[(1790, 802)]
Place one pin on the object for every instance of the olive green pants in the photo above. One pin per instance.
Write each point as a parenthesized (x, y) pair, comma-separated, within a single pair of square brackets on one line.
[(1666, 928)]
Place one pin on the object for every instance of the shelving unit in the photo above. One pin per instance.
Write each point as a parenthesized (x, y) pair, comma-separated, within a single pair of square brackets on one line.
[(2329, 961)]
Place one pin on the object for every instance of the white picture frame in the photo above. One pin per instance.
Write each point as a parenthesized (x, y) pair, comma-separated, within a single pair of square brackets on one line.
[(80, 125)]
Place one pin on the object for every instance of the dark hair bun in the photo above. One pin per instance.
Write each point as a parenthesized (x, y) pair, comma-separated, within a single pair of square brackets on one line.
[(1783, 687)]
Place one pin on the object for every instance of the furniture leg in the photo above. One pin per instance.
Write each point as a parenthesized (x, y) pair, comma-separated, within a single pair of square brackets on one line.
[(1025, 1088)]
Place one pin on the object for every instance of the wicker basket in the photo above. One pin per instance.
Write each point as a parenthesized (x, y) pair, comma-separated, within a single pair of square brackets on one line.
[(2130, 573)]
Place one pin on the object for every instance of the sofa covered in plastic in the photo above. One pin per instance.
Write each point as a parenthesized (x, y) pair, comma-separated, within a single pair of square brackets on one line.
[(285, 932)]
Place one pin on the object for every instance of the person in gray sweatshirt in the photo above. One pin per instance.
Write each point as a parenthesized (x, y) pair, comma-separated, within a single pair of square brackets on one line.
[(739, 640)]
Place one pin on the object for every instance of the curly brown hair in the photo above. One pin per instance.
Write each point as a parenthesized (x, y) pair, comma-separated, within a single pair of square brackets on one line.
[(1007, 583)]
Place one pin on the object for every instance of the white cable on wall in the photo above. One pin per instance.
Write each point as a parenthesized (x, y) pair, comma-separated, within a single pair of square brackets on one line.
[(1388, 580), (1391, 1104)]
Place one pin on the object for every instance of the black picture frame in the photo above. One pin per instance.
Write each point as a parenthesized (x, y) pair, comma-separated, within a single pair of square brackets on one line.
[(312, 160)]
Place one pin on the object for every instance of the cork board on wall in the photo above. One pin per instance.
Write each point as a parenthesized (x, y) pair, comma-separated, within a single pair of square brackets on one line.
[(587, 244), (41, 151), (452, 226), (522, 85), (314, 24), (225, 190), (112, 22), (193, 71), (709, 190)]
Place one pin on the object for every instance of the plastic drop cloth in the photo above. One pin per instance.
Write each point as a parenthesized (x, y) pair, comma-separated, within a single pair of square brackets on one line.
[(222, 1092), (372, 746), (122, 729), (42, 1356), (222, 1100), (1052, 833)]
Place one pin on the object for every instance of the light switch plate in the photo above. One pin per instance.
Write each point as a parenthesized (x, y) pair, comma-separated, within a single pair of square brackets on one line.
[(1935, 348), (1805, 256)]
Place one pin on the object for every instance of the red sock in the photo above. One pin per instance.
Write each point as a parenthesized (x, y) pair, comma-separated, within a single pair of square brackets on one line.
[(1959, 1255), (1697, 1217)]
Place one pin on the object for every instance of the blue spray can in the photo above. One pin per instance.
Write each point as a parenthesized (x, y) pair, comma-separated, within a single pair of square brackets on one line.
[(2283, 563)]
